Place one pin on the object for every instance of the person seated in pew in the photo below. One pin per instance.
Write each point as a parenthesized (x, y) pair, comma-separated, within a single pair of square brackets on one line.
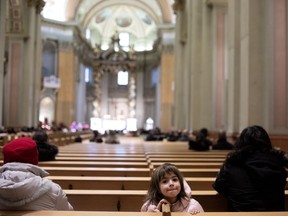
[(167, 186), (202, 142), (222, 142), (112, 138), (96, 137), (22, 182), (78, 139), (253, 176), (47, 152)]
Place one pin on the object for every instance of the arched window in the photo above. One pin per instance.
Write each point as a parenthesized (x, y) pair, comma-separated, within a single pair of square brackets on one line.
[(49, 59), (122, 78)]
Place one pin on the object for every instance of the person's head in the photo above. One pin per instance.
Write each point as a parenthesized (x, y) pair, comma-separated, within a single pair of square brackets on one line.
[(204, 132), (40, 136), (23, 150), (166, 182), (254, 137), (222, 135)]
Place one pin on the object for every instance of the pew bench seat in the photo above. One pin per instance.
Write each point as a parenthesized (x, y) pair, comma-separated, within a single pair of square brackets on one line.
[(190, 164), (104, 159), (101, 155), (132, 200), (121, 183), (97, 171), (94, 164)]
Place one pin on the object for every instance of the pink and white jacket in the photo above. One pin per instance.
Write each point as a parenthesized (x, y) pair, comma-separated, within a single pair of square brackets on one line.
[(185, 205)]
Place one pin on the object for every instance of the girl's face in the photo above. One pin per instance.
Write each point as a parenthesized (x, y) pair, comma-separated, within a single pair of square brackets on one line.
[(170, 187)]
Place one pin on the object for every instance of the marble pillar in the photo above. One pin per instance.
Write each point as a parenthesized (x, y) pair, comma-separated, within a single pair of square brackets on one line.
[(2, 55)]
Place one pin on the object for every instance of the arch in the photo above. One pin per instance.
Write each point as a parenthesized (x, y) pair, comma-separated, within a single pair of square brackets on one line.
[(46, 109), (49, 59)]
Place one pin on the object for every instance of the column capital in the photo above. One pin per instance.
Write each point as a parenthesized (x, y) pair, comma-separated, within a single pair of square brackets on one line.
[(178, 5), (221, 3), (38, 4)]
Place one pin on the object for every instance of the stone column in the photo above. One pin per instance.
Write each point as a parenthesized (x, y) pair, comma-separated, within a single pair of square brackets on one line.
[(166, 83), (279, 118), (253, 73), (98, 94), (233, 49), (2, 55), (199, 78), (139, 99), (81, 108), (132, 96), (181, 113), (37, 65), (104, 99), (217, 28), (32, 68)]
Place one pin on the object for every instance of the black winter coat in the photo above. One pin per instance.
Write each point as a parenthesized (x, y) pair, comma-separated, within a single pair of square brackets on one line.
[(254, 183), (47, 152)]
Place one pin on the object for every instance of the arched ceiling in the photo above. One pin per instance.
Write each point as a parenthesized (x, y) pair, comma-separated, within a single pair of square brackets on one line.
[(103, 18)]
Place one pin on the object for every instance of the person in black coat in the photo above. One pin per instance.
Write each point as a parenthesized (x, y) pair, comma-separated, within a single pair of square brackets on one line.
[(47, 152), (202, 142), (253, 176), (96, 137), (222, 142)]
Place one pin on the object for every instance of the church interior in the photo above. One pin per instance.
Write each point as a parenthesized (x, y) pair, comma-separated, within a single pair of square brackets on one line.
[(142, 64), (95, 95)]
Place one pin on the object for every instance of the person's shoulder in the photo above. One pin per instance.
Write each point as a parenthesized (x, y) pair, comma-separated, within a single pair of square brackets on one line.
[(146, 205), (56, 189)]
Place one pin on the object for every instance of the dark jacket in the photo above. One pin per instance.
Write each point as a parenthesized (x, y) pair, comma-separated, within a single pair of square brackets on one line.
[(202, 143), (253, 183), (47, 152), (223, 145)]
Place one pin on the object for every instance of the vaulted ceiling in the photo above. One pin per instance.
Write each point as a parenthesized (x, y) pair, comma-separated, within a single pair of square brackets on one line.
[(142, 19)]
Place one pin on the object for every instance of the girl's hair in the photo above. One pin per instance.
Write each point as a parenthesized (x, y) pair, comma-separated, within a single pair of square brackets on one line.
[(154, 194)]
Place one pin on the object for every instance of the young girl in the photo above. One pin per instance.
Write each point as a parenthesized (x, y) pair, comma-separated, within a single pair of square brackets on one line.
[(167, 186)]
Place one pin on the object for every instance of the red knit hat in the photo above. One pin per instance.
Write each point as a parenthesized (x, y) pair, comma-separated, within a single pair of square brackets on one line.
[(22, 150)]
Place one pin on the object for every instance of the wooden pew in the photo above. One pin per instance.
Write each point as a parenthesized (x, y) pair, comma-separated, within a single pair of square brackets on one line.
[(104, 171), (140, 172), (93, 164), (186, 160), (199, 172), (110, 159), (127, 164), (190, 164), (173, 147), (101, 155), (97, 171), (132, 200), (93, 148), (186, 153), (4, 138), (121, 183), (136, 213)]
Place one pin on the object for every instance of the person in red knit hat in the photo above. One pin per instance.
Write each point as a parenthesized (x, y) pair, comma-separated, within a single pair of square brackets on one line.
[(22, 182)]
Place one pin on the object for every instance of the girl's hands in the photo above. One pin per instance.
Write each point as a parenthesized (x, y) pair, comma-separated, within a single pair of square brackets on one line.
[(158, 208), (163, 201), (194, 212), (153, 208)]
